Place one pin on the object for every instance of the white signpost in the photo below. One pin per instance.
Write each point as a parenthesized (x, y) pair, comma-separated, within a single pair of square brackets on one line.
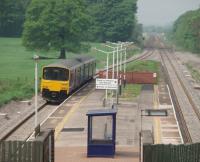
[(106, 84)]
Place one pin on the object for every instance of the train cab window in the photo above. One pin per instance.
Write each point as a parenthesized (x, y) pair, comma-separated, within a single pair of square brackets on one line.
[(55, 73)]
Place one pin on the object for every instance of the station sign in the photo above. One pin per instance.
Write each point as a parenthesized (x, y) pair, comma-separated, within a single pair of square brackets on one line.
[(106, 84)]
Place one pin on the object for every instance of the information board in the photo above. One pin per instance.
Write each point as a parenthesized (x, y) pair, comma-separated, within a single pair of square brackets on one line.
[(106, 83)]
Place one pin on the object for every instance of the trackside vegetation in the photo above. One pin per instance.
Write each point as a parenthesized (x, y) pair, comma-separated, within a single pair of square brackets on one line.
[(186, 31), (195, 73), (144, 66), (15, 89)]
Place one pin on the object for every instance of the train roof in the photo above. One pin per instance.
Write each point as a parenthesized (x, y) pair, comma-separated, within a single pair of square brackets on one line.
[(73, 62)]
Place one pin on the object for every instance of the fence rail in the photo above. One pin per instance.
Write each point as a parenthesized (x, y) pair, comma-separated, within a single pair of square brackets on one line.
[(39, 150), (133, 77), (171, 153)]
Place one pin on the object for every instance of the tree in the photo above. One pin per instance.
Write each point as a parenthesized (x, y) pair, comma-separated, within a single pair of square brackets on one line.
[(55, 24), (186, 31), (113, 20)]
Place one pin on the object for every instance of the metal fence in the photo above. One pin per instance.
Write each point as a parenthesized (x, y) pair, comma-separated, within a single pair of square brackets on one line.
[(133, 77), (40, 149), (171, 153)]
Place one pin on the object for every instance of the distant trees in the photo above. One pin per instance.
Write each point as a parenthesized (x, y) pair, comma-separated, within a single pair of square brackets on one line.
[(186, 31), (57, 24), (12, 14)]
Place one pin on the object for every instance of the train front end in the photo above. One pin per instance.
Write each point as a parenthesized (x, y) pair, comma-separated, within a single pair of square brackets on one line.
[(55, 84)]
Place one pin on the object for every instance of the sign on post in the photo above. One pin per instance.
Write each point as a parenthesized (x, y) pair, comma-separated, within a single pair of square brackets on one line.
[(106, 83)]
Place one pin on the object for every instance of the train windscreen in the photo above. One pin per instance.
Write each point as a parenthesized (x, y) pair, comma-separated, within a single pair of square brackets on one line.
[(55, 73)]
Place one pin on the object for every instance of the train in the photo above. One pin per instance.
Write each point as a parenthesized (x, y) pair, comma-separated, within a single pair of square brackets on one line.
[(60, 79)]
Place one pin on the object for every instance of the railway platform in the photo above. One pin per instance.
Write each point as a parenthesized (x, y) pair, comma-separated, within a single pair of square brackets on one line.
[(71, 142), (71, 134)]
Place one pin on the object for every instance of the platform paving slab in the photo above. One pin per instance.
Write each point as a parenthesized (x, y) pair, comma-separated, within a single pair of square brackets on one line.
[(78, 154)]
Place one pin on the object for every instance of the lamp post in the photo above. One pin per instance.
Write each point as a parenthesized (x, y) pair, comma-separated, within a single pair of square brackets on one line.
[(107, 67), (117, 76), (113, 70), (119, 63), (125, 59), (150, 113), (117, 47), (113, 65), (36, 58), (120, 75), (107, 64), (125, 69)]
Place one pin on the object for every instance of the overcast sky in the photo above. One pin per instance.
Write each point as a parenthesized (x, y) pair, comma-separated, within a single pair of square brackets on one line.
[(163, 12)]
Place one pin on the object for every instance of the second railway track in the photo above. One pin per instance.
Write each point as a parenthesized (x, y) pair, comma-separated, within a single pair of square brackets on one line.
[(186, 110)]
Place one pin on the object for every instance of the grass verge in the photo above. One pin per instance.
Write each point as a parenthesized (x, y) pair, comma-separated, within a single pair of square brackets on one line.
[(144, 66), (195, 73), (15, 90), (131, 91)]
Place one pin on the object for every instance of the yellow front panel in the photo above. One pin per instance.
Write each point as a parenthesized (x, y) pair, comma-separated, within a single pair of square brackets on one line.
[(53, 85)]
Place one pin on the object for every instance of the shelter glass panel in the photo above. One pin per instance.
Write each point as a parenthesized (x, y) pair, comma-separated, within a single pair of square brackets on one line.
[(102, 129)]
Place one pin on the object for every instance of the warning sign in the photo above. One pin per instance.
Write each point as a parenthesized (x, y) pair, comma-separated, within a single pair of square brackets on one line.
[(106, 84)]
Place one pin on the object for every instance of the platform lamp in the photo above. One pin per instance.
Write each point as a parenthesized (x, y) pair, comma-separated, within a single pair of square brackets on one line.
[(126, 44), (107, 70), (149, 113), (125, 54), (113, 66), (36, 59), (117, 68)]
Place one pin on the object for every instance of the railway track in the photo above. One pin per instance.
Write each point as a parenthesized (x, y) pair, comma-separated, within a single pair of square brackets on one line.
[(18, 125), (186, 110), (196, 110), (19, 128)]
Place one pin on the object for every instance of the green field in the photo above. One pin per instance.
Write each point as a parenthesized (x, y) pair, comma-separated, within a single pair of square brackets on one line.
[(17, 67)]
